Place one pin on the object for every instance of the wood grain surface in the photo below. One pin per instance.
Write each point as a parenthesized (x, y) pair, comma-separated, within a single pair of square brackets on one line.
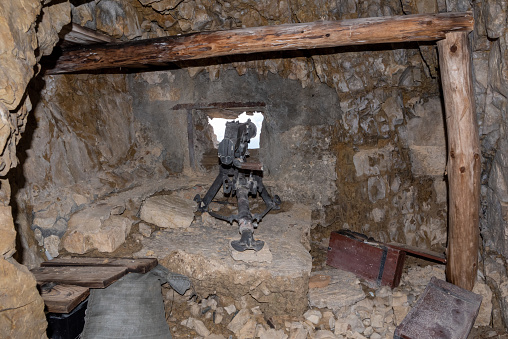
[(464, 164), (321, 34), (64, 298)]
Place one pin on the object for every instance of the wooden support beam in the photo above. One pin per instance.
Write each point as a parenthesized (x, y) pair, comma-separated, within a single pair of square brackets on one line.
[(76, 34), (463, 159), (322, 34)]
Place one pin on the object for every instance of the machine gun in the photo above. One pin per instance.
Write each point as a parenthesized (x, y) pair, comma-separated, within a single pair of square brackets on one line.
[(240, 178)]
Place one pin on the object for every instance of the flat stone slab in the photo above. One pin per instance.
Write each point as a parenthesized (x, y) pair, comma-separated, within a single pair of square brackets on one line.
[(344, 289), (168, 211), (278, 284), (263, 255)]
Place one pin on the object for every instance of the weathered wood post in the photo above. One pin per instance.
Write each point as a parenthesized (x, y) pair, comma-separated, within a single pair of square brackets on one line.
[(320, 34), (463, 159)]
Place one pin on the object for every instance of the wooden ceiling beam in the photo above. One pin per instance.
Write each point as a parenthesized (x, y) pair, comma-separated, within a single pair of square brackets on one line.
[(321, 34), (76, 34)]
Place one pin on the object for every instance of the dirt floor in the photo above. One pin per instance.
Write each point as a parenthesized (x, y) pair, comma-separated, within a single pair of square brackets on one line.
[(179, 308), (319, 246)]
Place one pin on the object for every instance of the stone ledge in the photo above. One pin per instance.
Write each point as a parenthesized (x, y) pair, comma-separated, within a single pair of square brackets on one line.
[(204, 254)]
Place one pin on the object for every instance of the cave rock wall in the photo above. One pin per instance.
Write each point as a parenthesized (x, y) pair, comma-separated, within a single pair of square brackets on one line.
[(356, 133), (28, 30)]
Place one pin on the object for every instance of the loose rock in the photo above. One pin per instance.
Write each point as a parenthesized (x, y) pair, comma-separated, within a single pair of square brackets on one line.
[(144, 229), (485, 312), (239, 321), (200, 328), (96, 228), (264, 255), (168, 211), (314, 316), (230, 309), (273, 334), (343, 290)]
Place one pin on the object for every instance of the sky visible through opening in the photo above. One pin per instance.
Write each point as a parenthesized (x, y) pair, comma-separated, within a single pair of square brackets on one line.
[(219, 126)]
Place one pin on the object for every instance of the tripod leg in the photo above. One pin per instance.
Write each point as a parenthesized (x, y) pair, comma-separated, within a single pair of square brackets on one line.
[(212, 191), (269, 202)]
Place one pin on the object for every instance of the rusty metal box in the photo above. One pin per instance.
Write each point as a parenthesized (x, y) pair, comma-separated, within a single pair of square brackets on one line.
[(371, 260)]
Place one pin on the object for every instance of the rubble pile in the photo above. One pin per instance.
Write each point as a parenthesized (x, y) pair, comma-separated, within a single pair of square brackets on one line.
[(375, 316)]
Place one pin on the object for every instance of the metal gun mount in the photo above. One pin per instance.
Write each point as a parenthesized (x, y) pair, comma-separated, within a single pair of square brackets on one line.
[(240, 178)]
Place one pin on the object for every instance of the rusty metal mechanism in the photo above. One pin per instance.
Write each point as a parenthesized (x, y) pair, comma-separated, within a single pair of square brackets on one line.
[(240, 178)]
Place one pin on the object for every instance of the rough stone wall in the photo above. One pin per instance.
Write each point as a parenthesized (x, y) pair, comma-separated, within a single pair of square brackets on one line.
[(491, 86), (391, 151), (28, 30), (385, 96), (83, 144), (357, 133), (490, 60), (294, 138)]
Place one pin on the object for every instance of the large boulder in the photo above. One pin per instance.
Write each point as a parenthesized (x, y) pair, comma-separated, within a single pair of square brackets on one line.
[(96, 228), (22, 308)]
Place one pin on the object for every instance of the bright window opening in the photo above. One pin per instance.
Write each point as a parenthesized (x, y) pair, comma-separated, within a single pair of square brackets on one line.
[(219, 126)]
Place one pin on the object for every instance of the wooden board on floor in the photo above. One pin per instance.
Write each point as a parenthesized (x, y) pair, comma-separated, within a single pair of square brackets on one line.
[(64, 298), (436, 256), (86, 276), (141, 265)]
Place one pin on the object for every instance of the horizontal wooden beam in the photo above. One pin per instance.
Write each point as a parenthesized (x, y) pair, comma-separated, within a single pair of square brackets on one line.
[(249, 105), (76, 34), (322, 34)]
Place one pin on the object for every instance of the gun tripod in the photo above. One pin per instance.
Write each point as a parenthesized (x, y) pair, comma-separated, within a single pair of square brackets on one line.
[(240, 183)]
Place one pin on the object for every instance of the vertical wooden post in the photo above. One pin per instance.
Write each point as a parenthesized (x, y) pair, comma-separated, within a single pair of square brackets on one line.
[(463, 160)]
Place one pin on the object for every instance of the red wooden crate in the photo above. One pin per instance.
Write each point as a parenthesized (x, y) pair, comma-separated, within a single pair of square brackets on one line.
[(368, 259)]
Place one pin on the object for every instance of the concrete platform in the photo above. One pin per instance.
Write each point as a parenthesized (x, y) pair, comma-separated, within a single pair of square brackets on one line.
[(276, 278)]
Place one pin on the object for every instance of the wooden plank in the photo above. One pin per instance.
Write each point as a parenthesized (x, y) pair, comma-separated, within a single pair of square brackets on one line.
[(464, 163), (321, 34), (141, 265), (64, 298), (76, 34), (432, 255), (240, 107), (86, 276)]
